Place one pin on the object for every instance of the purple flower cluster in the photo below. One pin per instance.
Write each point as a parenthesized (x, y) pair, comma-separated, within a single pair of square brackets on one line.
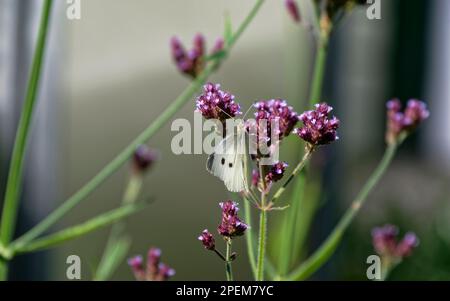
[(399, 122), (276, 172), (293, 10), (192, 62), (143, 158), (385, 242), (272, 173), (231, 226), (317, 128), (276, 110), (155, 269), (207, 240), (214, 103)]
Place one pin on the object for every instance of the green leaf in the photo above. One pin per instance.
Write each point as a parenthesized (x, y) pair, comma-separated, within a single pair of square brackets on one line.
[(78, 230)]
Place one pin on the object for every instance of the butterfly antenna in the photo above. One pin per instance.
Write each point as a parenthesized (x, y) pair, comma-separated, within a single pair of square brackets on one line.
[(248, 110), (225, 112)]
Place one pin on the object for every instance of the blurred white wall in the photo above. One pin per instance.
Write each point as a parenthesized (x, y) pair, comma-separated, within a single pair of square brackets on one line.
[(438, 127)]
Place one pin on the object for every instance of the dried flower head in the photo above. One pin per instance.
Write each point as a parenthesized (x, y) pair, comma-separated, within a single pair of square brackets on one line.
[(214, 103), (399, 122), (293, 10), (143, 158), (231, 226), (154, 271), (385, 243), (317, 128), (207, 240)]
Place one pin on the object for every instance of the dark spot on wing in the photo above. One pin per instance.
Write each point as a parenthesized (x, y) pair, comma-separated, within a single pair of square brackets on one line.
[(222, 161), (230, 165)]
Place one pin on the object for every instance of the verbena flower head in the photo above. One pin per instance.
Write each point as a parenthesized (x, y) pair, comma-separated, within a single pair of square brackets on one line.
[(136, 264), (318, 128), (154, 271), (231, 226), (189, 62), (292, 9), (276, 172), (385, 242), (153, 261), (279, 111), (165, 272), (207, 240), (399, 122), (214, 103), (143, 158)]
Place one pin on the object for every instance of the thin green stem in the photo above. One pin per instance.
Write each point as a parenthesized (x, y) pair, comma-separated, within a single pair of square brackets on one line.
[(246, 22), (228, 269), (249, 237), (324, 252), (108, 262), (319, 71), (78, 230), (261, 244), (296, 170), (289, 226), (14, 182), (123, 157), (13, 185)]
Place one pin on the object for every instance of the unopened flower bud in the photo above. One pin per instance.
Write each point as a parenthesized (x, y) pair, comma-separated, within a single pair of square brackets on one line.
[(293, 10), (207, 240)]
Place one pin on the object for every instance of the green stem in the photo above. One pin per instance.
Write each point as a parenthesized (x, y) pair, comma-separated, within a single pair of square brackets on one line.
[(321, 255), (123, 157), (110, 258), (261, 244), (78, 230), (228, 270), (319, 73), (249, 237), (288, 227), (321, 59), (13, 186), (296, 170)]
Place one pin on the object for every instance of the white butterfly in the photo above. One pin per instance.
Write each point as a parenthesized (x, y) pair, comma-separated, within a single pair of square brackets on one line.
[(228, 162)]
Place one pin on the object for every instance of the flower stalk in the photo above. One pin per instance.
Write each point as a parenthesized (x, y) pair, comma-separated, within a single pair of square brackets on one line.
[(228, 269), (324, 252), (14, 182), (262, 228), (308, 153)]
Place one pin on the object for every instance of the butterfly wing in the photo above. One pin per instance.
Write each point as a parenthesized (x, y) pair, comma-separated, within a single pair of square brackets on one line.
[(228, 162)]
